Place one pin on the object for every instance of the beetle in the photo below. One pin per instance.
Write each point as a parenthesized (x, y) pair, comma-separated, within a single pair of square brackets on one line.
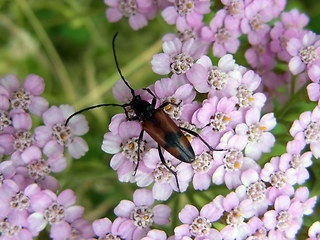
[(156, 123)]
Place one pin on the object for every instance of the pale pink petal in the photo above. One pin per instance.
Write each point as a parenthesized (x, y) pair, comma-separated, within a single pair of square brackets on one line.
[(113, 14), (78, 147), (60, 231), (143, 197), (102, 226), (124, 208), (161, 214), (34, 84), (74, 212), (296, 65), (137, 21)]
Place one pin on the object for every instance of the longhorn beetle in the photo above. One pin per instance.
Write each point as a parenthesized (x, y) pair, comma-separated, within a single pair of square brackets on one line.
[(156, 123)]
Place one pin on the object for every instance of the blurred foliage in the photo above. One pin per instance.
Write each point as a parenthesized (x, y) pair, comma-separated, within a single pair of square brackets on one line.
[(68, 43)]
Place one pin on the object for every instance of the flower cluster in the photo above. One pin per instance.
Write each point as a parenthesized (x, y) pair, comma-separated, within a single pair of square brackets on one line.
[(232, 118), (28, 200), (134, 218), (224, 110)]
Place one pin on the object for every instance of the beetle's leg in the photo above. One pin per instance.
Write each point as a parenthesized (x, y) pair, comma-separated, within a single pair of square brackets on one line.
[(204, 141), (165, 164), (163, 104), (154, 99), (138, 161), (150, 92)]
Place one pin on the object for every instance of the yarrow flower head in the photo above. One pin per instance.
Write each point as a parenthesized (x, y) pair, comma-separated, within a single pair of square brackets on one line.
[(56, 135), (27, 97), (231, 163), (105, 229), (138, 12), (124, 144), (58, 211), (253, 191), (175, 95), (223, 35), (280, 179), (198, 224), (285, 220), (206, 78), (165, 181), (138, 216), (255, 19), (178, 57), (220, 106), (305, 52), (257, 131), (220, 115), (185, 13), (307, 129)]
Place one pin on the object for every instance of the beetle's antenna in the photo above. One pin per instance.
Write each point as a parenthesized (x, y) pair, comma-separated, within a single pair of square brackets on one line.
[(92, 107), (117, 64)]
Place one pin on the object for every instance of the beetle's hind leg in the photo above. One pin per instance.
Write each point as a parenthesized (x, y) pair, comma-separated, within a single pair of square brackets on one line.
[(138, 153), (165, 164), (204, 141)]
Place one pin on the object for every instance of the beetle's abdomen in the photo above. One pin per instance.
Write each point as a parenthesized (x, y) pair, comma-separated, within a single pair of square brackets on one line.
[(169, 136)]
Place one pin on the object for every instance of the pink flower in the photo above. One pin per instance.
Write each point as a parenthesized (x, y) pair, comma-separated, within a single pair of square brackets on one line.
[(203, 166), (295, 162), (187, 32), (23, 137), (198, 224), (254, 22), (138, 216), (260, 57), (164, 181), (13, 227), (138, 11), (294, 18), (186, 13), (285, 220), (280, 179), (58, 211), (302, 195), (178, 57), (180, 95), (305, 53), (124, 144), (256, 228), (218, 114), (290, 26), (224, 37), (236, 211), (104, 227), (26, 98), (253, 191), (55, 135), (314, 231), (205, 77), (230, 163), (40, 168), (307, 129), (257, 131)]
